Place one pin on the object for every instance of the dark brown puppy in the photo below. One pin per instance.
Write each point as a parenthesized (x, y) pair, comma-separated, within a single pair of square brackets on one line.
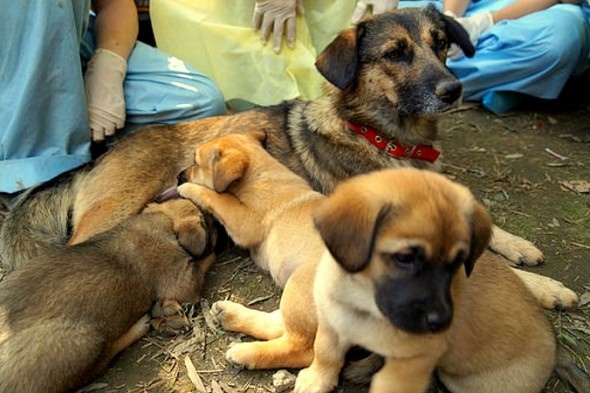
[(66, 314), (387, 83)]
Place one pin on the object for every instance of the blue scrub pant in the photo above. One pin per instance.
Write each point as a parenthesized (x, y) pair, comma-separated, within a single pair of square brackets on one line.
[(43, 122), (534, 55)]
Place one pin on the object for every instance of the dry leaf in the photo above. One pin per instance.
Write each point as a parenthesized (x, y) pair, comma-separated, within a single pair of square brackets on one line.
[(193, 375), (579, 186)]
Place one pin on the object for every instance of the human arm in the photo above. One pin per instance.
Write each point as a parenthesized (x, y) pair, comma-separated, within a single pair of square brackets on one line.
[(455, 8), (478, 23), (116, 26), (116, 29)]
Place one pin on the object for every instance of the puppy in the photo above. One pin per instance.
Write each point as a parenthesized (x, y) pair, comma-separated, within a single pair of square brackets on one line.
[(65, 315), (257, 199), (391, 267)]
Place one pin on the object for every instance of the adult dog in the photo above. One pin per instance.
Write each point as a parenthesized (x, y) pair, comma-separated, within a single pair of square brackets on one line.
[(388, 82), (66, 314), (372, 274)]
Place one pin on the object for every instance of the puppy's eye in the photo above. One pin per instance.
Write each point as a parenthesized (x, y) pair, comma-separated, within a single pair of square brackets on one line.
[(404, 260), (458, 261)]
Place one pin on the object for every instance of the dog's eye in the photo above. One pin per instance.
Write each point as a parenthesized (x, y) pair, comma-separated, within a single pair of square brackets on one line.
[(440, 41), (404, 260), (458, 261), (398, 52)]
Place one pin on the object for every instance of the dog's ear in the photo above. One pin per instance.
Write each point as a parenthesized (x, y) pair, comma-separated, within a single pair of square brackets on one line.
[(338, 63), (457, 35), (349, 227), (228, 165), (481, 231)]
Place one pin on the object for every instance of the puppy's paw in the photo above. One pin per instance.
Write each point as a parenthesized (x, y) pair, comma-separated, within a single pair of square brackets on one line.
[(312, 380), (517, 250), (168, 318), (242, 355), (142, 326), (196, 193), (226, 314), (550, 293)]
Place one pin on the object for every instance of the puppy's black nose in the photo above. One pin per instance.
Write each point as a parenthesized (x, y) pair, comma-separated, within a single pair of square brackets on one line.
[(449, 91), (437, 321)]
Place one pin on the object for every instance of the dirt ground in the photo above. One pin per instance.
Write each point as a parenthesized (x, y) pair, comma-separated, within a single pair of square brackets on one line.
[(531, 168)]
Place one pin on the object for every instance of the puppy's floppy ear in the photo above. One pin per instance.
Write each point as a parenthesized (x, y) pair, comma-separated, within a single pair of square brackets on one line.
[(348, 225), (481, 231), (338, 63), (228, 165)]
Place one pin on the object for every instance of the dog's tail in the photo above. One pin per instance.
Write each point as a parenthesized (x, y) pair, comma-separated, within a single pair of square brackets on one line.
[(39, 219)]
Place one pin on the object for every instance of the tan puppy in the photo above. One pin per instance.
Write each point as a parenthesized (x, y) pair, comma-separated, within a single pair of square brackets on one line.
[(401, 246), (257, 199), (66, 314)]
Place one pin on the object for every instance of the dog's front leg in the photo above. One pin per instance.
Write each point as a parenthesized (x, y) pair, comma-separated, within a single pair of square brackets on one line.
[(550, 293), (404, 375), (239, 220), (329, 352), (515, 249)]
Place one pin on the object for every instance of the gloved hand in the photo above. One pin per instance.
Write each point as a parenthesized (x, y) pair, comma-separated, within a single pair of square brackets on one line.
[(105, 101), (272, 15), (475, 26), (378, 7)]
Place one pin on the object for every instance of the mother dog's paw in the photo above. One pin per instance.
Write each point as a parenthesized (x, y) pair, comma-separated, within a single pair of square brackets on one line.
[(550, 293), (515, 249)]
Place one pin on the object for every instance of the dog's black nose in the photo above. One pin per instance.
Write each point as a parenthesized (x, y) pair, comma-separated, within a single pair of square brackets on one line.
[(437, 321), (449, 91)]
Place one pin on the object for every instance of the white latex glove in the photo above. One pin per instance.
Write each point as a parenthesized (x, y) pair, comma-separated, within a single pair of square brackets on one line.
[(377, 6), (475, 26), (105, 101), (272, 15)]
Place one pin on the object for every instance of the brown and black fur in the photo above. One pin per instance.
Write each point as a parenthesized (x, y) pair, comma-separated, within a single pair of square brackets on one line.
[(387, 73), (65, 314)]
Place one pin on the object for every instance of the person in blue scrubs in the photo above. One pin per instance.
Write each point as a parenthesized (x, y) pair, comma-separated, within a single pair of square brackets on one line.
[(523, 48), (70, 75), (531, 54)]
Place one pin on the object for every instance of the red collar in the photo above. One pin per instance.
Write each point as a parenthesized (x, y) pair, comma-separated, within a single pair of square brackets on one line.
[(421, 152)]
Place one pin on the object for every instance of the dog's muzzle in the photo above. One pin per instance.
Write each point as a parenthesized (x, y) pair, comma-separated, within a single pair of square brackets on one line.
[(417, 304)]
